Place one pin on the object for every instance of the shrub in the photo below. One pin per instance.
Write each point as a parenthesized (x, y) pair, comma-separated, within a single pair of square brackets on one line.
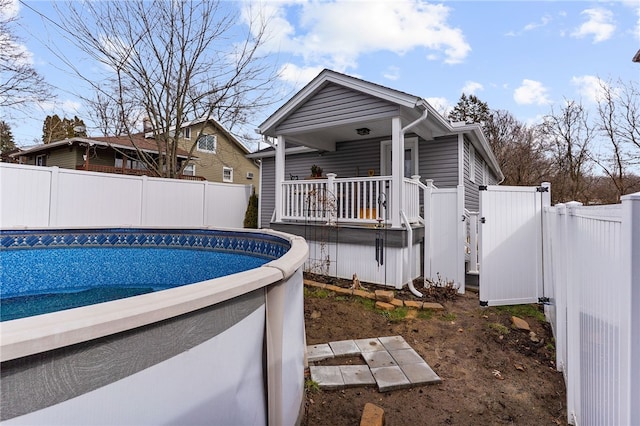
[(251, 215)]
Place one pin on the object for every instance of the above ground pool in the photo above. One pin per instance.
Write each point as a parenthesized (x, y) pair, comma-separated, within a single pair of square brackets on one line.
[(104, 326)]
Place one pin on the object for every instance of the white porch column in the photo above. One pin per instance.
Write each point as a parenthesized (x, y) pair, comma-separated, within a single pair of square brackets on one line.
[(397, 170), (279, 177)]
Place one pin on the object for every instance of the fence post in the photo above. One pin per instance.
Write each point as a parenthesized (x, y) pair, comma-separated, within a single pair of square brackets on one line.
[(630, 234), (473, 243), (573, 319), (428, 193), (54, 195), (143, 201)]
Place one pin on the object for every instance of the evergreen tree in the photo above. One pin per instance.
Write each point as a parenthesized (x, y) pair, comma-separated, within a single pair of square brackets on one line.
[(6, 138), (56, 129), (251, 215), (471, 109)]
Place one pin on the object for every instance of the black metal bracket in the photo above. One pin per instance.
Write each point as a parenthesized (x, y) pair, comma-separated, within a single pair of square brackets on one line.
[(482, 187), (484, 303), (482, 219), (542, 189), (544, 300)]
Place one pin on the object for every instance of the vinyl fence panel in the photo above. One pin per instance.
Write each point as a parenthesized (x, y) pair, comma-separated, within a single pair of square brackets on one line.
[(24, 197)]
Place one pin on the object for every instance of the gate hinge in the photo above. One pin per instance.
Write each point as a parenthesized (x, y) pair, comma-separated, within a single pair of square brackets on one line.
[(544, 300), (542, 189), (482, 187), (482, 219), (484, 303)]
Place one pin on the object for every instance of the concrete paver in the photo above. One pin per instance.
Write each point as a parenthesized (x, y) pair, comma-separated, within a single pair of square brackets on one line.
[(344, 348), (369, 345), (319, 352), (356, 375), (390, 378), (406, 356), (327, 376), (420, 373), (378, 359), (391, 343)]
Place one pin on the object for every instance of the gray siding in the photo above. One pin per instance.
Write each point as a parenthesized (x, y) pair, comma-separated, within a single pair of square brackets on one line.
[(471, 191), (335, 104), (438, 160)]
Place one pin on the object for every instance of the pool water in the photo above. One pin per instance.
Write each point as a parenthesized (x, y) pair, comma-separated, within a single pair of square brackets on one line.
[(48, 280)]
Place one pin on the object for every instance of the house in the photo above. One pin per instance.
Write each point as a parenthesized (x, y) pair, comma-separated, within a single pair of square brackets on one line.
[(400, 183), (217, 156)]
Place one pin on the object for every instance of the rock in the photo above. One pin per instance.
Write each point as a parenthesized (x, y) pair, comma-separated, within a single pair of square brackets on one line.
[(365, 294), (384, 306), (533, 337), (397, 303), (384, 295), (413, 304), (433, 306), (315, 314), (372, 415), (520, 324)]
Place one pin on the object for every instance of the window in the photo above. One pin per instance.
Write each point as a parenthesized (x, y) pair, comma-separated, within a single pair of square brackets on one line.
[(472, 163), (41, 160), (187, 132), (207, 143), (189, 170), (227, 174), (130, 164)]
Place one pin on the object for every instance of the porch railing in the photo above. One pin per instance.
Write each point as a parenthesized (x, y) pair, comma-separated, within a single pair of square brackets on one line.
[(356, 200)]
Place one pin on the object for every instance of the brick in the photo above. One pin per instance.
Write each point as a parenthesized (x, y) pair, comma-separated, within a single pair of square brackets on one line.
[(413, 304), (397, 303), (365, 294), (433, 306), (384, 295), (385, 306), (338, 289), (372, 415)]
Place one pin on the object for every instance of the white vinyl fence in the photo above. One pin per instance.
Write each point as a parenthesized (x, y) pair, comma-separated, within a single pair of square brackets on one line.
[(32, 196), (592, 279)]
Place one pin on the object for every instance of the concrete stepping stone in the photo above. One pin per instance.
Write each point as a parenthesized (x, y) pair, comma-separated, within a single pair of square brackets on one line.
[(369, 345), (406, 356), (356, 375), (344, 348), (327, 376), (378, 359), (319, 352), (390, 378), (420, 374), (391, 343)]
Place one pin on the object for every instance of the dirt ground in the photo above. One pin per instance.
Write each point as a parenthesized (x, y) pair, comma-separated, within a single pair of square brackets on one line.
[(492, 374)]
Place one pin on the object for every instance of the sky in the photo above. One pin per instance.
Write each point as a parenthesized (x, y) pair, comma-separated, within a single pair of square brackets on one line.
[(525, 57)]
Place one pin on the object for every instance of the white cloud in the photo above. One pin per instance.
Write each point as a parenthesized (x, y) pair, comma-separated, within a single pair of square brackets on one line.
[(442, 105), (298, 76), (599, 24), (471, 87), (336, 33), (392, 73), (533, 25), (64, 108), (589, 87), (531, 92)]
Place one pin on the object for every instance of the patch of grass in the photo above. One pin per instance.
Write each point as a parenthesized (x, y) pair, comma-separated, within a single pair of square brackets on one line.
[(342, 298), (499, 328), (550, 346), (522, 311), (426, 314), (319, 293), (449, 316), (398, 314), (311, 386), (367, 303)]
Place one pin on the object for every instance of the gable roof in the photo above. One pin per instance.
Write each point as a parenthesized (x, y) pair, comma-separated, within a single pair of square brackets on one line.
[(118, 142)]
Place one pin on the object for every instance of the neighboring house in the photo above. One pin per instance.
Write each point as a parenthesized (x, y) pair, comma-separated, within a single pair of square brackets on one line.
[(217, 156), (102, 154), (394, 171)]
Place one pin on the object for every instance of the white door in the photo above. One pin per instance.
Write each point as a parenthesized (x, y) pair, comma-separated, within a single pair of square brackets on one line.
[(510, 245), (410, 157)]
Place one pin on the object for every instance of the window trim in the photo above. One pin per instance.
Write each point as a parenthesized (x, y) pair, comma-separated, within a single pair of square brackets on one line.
[(193, 172), (42, 157), (215, 144), (187, 132), (230, 170)]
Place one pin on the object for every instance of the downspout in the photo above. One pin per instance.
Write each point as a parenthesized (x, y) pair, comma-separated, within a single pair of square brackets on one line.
[(404, 130)]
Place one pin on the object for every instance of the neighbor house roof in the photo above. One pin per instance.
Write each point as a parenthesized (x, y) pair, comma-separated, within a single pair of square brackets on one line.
[(118, 142)]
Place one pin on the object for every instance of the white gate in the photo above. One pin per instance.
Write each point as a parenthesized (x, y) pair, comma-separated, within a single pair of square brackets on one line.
[(510, 244)]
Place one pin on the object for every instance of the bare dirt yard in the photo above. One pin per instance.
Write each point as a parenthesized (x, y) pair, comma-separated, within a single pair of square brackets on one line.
[(492, 374)]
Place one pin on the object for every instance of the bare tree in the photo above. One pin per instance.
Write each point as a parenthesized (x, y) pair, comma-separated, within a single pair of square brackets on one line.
[(177, 61), (569, 135), (21, 83), (619, 124), (519, 149)]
